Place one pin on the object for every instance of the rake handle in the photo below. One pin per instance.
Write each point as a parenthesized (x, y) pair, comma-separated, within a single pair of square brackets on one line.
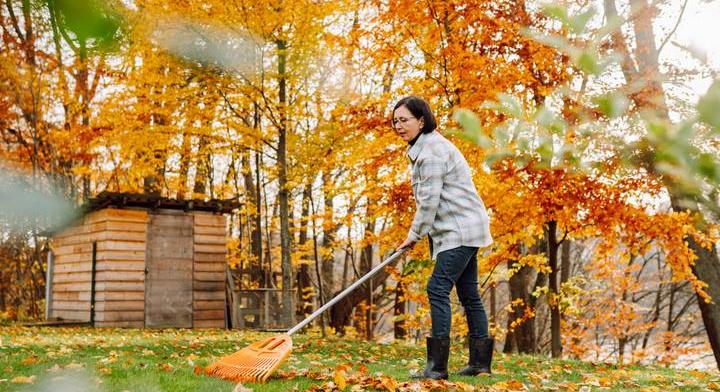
[(345, 292)]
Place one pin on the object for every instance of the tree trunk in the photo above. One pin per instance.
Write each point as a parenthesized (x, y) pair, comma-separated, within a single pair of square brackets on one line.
[(493, 302), (348, 260), (283, 192), (366, 258), (552, 254), (510, 345), (329, 233), (707, 269), (318, 274), (269, 278), (201, 170), (184, 167), (399, 311), (251, 198), (524, 334), (565, 263), (304, 285)]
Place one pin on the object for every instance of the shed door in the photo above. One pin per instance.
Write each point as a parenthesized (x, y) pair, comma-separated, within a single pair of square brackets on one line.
[(169, 263)]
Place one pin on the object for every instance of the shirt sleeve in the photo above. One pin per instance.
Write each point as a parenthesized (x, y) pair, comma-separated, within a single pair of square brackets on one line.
[(431, 174)]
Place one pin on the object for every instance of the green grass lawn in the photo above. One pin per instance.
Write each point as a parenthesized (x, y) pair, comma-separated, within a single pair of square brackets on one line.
[(85, 359)]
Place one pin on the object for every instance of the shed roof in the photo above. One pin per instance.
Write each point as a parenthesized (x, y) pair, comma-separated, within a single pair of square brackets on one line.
[(150, 201), (147, 201)]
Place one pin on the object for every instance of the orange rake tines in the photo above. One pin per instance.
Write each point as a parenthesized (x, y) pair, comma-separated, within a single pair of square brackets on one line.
[(256, 362)]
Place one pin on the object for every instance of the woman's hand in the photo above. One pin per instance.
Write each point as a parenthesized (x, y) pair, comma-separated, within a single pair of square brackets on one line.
[(406, 245)]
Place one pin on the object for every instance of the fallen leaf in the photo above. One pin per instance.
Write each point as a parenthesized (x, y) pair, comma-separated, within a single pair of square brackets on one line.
[(23, 380), (389, 383), (104, 370), (73, 365), (464, 387), (511, 385), (198, 370), (535, 378), (30, 360), (698, 374), (55, 368), (340, 377), (242, 388)]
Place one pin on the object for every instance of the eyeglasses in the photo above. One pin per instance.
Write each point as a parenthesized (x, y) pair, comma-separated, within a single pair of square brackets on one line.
[(401, 120)]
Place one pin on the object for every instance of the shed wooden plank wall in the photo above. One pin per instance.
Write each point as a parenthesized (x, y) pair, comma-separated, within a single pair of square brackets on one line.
[(209, 270), (72, 249), (119, 272)]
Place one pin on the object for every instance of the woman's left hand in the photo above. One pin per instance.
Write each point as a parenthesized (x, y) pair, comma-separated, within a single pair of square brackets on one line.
[(407, 244)]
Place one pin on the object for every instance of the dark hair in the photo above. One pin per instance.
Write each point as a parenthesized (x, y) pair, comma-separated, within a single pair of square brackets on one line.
[(420, 109)]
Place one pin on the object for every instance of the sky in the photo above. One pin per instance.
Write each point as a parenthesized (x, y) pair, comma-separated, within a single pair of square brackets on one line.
[(699, 28)]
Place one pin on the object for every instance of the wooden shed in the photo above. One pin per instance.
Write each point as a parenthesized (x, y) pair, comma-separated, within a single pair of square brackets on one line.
[(141, 261)]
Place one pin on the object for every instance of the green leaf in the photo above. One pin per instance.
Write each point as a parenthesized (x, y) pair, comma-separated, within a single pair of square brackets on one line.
[(683, 133), (523, 144), (472, 130), (611, 26), (708, 166), (612, 104), (497, 156), (468, 119), (709, 106), (545, 150), (502, 135), (89, 21), (415, 265), (657, 132), (513, 105), (578, 23), (506, 103), (588, 61), (556, 11), (555, 41), (549, 120)]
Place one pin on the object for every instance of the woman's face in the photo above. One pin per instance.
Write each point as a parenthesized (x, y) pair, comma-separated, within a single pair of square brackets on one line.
[(405, 124)]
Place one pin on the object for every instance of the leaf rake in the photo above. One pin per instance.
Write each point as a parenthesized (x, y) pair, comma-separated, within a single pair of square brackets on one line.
[(256, 362)]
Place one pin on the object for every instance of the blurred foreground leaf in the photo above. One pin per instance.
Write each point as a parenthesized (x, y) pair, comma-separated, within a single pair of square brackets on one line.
[(21, 203)]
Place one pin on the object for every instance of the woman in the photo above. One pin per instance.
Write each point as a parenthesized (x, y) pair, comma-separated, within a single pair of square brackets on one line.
[(450, 212)]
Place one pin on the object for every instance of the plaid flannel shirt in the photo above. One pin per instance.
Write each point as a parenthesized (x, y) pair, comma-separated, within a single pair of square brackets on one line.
[(448, 207)]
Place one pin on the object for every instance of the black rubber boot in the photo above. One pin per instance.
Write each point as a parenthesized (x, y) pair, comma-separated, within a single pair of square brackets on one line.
[(438, 351), (481, 352)]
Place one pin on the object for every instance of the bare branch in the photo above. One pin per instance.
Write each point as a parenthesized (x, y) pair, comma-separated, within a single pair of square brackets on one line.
[(672, 32), (14, 19)]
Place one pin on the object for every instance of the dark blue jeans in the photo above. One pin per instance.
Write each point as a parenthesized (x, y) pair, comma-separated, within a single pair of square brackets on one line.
[(457, 267)]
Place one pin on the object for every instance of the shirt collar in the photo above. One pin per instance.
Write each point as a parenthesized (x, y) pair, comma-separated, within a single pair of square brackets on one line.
[(414, 151)]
